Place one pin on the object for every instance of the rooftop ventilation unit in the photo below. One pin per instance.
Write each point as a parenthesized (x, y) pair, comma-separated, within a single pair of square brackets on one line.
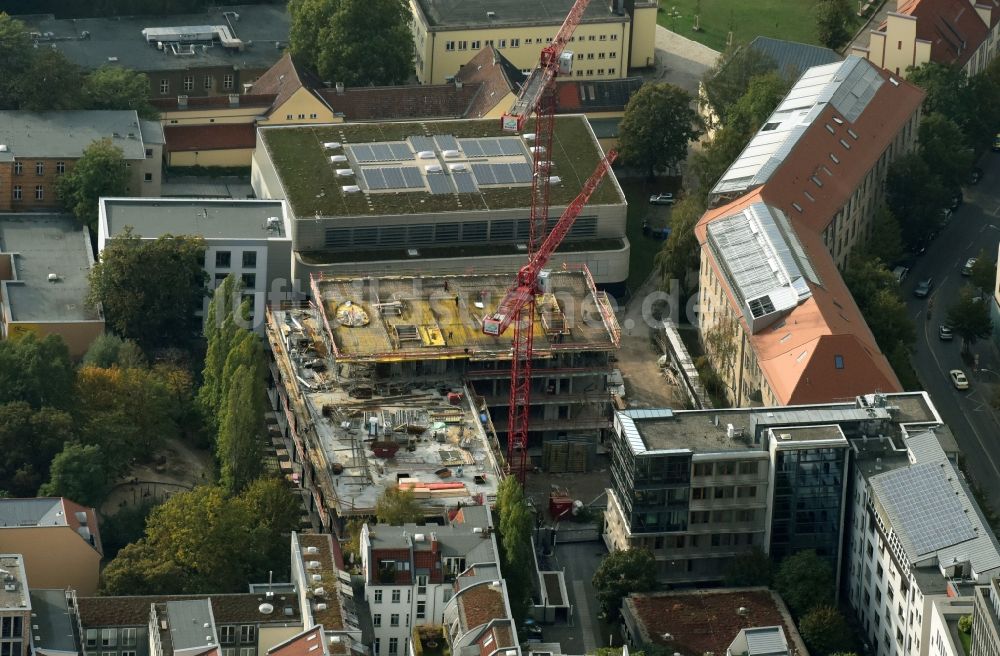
[(332, 145), (351, 189), (425, 154), (345, 173), (337, 159), (312, 550), (434, 168), (313, 564)]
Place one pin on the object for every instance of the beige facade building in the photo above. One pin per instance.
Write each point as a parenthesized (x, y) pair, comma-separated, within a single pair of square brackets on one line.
[(986, 620), (614, 35), (58, 539), (784, 328), (962, 33)]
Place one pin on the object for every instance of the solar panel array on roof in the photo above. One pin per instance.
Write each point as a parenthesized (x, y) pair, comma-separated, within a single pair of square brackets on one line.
[(421, 143), (381, 152), (446, 142), (489, 174), (464, 182), (392, 177), (492, 147), (440, 183)]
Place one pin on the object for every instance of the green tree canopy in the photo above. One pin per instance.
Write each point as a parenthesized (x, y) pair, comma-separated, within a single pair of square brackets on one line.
[(79, 473), (728, 80), (947, 90), (942, 145), (29, 439), (357, 42), (886, 242), (116, 87), (750, 568), (100, 171), (915, 196), (826, 632), (151, 290), (834, 19), (112, 351), (15, 53), (658, 125), (984, 272), (517, 563), (398, 506), (681, 254), (805, 581), (969, 317), (624, 572), (239, 445), (37, 371), (51, 81)]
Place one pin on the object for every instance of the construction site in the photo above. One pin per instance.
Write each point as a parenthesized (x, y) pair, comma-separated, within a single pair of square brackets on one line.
[(392, 381)]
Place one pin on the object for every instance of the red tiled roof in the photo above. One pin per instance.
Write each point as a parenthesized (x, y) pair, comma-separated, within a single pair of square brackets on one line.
[(213, 102), (577, 96), (401, 102), (70, 508), (497, 76), (283, 79), (217, 136), (952, 27), (481, 604)]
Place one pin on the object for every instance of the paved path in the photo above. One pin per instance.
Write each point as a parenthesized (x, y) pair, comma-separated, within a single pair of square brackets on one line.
[(584, 618), (680, 61)]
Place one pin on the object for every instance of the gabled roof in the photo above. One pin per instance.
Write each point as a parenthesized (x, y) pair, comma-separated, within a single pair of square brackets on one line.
[(496, 76), (578, 96), (51, 512), (311, 642), (791, 57), (283, 79), (952, 27)]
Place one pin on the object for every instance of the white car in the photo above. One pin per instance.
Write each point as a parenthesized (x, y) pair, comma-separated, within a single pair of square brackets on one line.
[(958, 379), (967, 269), (661, 199)]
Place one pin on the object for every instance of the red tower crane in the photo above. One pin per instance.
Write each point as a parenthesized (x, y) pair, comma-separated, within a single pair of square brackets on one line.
[(518, 308)]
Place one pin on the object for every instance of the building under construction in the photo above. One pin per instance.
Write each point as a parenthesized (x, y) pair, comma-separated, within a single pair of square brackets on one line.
[(390, 380)]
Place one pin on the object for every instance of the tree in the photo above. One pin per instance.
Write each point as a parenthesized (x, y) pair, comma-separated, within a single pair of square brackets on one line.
[(984, 272), (100, 171), (112, 351), (624, 572), (805, 581), (151, 290), (273, 511), (942, 145), (826, 632), (947, 91), (37, 371), (969, 318), (238, 448), (658, 125), (728, 80), (220, 331), (51, 82), (750, 568), (15, 53), (116, 87), (886, 242), (397, 506), (357, 42), (681, 254), (965, 624), (29, 439), (516, 526), (915, 196), (124, 527), (833, 23), (78, 472)]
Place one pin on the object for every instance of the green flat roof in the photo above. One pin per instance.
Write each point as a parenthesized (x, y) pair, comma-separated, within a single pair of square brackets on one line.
[(312, 187)]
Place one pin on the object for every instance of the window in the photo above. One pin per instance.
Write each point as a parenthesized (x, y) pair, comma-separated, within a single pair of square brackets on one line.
[(147, 177), (395, 596), (421, 584), (289, 117), (109, 653), (726, 468), (128, 637), (39, 168), (601, 55), (219, 277), (313, 116), (302, 117), (838, 361), (248, 633), (109, 637), (377, 620), (592, 37), (91, 633), (378, 596), (248, 651), (17, 192), (899, 45), (502, 43), (590, 55), (188, 82), (600, 71), (393, 645), (614, 37), (164, 86), (590, 71), (421, 609), (249, 280), (476, 45), (128, 652), (394, 619), (39, 192), (227, 634), (748, 467), (376, 646), (463, 45), (227, 81), (698, 493), (223, 259), (515, 43), (612, 55), (60, 168), (18, 168), (208, 82), (449, 45), (703, 469)]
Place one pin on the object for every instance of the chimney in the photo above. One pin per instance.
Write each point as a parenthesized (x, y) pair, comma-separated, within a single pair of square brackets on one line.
[(340, 88), (458, 83)]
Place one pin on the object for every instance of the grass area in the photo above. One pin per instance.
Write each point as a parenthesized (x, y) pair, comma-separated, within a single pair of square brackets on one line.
[(791, 20), (644, 248), (966, 639), (458, 250), (313, 187)]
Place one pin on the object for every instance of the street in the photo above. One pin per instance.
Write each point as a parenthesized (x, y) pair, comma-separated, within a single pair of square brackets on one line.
[(975, 226)]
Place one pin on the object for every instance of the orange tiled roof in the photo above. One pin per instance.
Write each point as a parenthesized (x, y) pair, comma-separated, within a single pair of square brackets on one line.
[(952, 27)]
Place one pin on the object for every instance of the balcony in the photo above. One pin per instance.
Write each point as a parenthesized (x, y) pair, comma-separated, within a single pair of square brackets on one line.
[(430, 641)]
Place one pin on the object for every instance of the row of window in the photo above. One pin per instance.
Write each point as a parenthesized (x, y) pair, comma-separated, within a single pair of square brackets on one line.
[(227, 634), (442, 233), (249, 280), (515, 42), (580, 72), (722, 516), (727, 468), (17, 192), (599, 55), (39, 168), (393, 646), (110, 637), (224, 259), (301, 117), (207, 83), (724, 492), (393, 620)]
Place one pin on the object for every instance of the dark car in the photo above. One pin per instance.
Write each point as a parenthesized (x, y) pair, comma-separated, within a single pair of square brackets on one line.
[(923, 288)]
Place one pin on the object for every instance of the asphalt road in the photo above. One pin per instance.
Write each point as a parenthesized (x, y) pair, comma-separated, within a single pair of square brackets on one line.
[(974, 226)]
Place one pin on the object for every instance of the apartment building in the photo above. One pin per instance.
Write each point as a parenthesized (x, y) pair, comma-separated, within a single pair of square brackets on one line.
[(957, 33), (430, 197), (38, 147), (59, 540), (402, 359), (784, 329), (918, 544), (410, 571), (612, 37), (251, 239), (216, 52), (45, 260), (986, 620), (15, 607)]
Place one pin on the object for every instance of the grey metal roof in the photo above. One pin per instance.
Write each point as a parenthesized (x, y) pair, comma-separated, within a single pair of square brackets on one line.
[(152, 132), (187, 622), (259, 27), (765, 640), (32, 512), (212, 219), (848, 86), (44, 244), (792, 57), (453, 14), (12, 573), (68, 133), (52, 622), (763, 262)]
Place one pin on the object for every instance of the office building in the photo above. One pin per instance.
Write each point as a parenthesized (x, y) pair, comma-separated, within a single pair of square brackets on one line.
[(986, 620), (15, 607)]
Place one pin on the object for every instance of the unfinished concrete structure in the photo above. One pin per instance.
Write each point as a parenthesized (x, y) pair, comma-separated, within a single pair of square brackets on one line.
[(391, 381)]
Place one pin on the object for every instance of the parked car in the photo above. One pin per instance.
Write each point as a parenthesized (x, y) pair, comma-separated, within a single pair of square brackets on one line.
[(996, 143), (945, 334), (967, 268), (956, 200), (923, 288), (900, 273), (958, 379), (975, 176), (530, 628), (661, 199)]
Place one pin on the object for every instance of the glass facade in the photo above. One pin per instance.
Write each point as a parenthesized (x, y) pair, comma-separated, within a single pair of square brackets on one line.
[(654, 490)]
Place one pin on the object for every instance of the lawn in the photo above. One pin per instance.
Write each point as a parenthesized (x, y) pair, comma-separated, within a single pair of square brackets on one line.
[(644, 248), (791, 20), (966, 639)]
